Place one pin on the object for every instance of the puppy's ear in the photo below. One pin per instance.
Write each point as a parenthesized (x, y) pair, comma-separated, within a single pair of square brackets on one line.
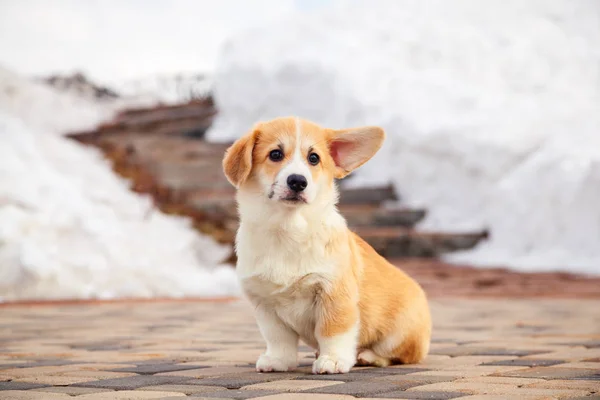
[(237, 163), (351, 148)]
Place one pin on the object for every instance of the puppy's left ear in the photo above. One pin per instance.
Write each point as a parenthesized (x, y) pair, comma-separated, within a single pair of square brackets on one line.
[(351, 148), (237, 163)]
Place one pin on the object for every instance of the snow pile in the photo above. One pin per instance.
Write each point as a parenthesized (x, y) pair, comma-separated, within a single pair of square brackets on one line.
[(79, 85), (167, 89), (70, 228), (47, 109), (148, 91), (491, 110)]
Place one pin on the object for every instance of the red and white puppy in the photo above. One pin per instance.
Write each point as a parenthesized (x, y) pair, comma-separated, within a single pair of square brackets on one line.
[(306, 273)]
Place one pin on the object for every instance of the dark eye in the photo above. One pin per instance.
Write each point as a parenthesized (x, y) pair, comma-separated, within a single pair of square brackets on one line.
[(276, 155), (313, 158)]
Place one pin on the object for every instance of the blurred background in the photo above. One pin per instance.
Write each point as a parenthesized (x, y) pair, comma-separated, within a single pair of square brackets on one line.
[(114, 116)]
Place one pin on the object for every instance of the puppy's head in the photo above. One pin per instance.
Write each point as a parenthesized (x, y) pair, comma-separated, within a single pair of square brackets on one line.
[(293, 162)]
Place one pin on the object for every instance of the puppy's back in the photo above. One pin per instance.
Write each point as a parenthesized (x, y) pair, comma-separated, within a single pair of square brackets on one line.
[(395, 316)]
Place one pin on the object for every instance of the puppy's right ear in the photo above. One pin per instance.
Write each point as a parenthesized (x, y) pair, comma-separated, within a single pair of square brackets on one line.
[(237, 163)]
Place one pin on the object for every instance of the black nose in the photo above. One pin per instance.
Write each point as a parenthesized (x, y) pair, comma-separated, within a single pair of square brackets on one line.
[(297, 183)]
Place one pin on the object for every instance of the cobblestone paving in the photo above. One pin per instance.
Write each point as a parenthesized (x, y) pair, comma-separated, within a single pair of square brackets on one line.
[(482, 349)]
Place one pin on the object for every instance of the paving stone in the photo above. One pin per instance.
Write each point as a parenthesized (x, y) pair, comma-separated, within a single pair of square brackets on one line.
[(20, 385), (236, 394), (518, 393), (55, 380), (570, 354), (71, 390), (32, 395), (306, 396), (407, 381), (132, 364), (590, 344), (591, 397), (16, 364), (99, 366), (96, 374), (36, 363), (579, 364), (466, 387), (287, 385), (518, 382), (483, 351), (131, 395), (526, 362), (421, 395), (592, 386), (555, 373), (400, 383), (186, 389), (36, 371), (236, 381), (360, 389), (466, 372), (399, 370), (508, 397), (100, 346), (357, 376), (209, 372), (133, 382), (149, 369), (188, 397)]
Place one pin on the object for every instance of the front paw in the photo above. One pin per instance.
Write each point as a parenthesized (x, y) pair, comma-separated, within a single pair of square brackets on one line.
[(331, 365), (273, 364)]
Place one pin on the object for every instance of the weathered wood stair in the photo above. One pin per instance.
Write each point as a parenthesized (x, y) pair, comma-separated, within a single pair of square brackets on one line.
[(162, 151)]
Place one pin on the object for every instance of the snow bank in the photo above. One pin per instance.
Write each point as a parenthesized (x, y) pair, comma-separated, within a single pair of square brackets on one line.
[(491, 109), (47, 109), (70, 228), (62, 110), (166, 89)]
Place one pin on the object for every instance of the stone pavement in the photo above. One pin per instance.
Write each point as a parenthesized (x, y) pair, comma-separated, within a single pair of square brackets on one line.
[(482, 349)]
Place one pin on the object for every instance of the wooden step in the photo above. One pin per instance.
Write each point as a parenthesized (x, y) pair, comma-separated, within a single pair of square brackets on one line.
[(194, 110), (372, 195), (221, 202), (174, 119), (201, 103), (402, 242), (173, 148), (361, 215)]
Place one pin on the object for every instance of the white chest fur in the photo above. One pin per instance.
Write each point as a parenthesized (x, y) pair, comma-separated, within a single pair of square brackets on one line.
[(284, 262)]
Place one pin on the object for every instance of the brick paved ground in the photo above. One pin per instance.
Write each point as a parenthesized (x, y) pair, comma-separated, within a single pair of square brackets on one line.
[(514, 349)]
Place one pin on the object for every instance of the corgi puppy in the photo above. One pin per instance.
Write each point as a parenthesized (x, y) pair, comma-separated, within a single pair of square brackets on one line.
[(308, 276)]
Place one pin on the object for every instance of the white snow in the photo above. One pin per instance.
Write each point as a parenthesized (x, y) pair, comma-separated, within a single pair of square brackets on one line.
[(70, 228), (492, 110), (166, 89), (47, 109)]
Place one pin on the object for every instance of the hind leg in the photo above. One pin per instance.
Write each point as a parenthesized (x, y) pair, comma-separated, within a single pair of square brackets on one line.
[(411, 350), (369, 358)]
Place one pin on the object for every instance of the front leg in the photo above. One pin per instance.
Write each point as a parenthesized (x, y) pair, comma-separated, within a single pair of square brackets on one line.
[(337, 332), (282, 343)]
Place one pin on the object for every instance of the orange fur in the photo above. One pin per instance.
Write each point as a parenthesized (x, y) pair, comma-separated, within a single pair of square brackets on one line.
[(387, 298), (237, 163)]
